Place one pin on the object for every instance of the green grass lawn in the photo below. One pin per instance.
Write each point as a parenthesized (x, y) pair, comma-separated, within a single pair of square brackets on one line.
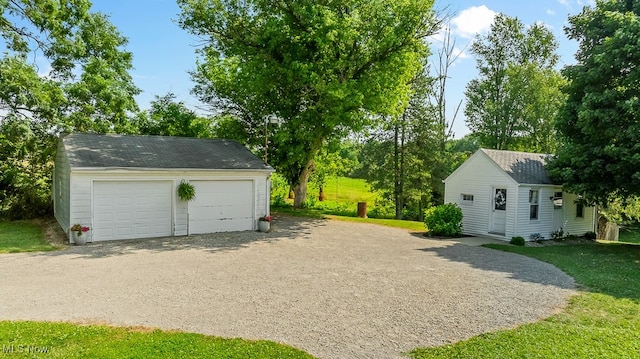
[(22, 236), (630, 234), (345, 189), (410, 225), (342, 195), (601, 322), (63, 340)]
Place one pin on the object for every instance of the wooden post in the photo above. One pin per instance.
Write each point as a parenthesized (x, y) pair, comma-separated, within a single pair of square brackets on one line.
[(362, 209)]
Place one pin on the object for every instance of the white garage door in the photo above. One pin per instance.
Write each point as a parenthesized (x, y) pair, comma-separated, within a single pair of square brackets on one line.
[(131, 209), (221, 206)]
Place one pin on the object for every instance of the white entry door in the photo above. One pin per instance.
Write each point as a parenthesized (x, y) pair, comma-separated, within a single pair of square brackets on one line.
[(131, 209), (499, 208), (221, 206)]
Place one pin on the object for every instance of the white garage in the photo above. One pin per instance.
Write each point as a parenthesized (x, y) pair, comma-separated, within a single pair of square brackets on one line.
[(125, 187), (221, 206), (131, 209)]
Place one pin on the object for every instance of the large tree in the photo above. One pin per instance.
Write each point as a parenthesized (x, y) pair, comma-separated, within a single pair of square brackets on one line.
[(600, 123), (322, 67), (169, 117), (63, 68), (513, 101), (402, 158)]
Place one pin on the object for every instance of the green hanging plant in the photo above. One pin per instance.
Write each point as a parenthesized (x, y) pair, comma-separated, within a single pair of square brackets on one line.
[(186, 191)]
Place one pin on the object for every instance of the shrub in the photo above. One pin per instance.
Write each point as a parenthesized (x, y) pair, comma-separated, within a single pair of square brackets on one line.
[(444, 220), (558, 235), (279, 190), (518, 241), (590, 235)]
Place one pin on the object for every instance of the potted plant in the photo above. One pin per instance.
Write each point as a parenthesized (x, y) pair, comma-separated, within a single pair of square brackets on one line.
[(186, 191), (264, 223), (76, 234)]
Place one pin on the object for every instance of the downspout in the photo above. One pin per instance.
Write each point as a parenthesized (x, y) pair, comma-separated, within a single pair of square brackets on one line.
[(268, 199), (515, 225)]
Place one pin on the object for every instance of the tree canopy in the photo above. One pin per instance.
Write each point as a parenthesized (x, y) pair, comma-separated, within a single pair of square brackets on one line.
[(322, 67), (169, 117), (599, 124), (63, 68), (512, 103)]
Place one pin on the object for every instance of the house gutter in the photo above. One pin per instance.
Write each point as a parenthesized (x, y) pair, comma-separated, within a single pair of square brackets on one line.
[(147, 169)]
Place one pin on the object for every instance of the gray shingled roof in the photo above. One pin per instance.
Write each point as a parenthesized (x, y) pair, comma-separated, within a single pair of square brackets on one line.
[(523, 167), (88, 150)]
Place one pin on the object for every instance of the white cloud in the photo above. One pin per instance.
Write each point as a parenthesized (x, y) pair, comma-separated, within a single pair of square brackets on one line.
[(472, 21), (572, 5), (460, 48), (551, 12), (460, 53), (544, 24)]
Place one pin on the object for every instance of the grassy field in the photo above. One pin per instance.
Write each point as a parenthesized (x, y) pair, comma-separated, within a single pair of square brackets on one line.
[(342, 195), (349, 190), (22, 236), (630, 234), (601, 322), (63, 340)]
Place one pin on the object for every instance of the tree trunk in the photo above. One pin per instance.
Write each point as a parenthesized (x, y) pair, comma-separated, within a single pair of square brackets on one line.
[(321, 194), (398, 164), (300, 189)]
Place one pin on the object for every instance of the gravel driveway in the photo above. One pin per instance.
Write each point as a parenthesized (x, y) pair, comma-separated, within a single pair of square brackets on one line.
[(334, 289)]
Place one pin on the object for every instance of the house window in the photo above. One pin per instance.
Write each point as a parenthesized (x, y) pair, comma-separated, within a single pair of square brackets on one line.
[(557, 200), (467, 198), (579, 210), (533, 204)]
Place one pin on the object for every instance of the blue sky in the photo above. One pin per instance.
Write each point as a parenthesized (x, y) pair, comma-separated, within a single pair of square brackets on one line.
[(163, 53)]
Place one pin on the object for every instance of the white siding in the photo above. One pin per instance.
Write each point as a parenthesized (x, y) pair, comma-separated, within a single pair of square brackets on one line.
[(572, 224), (80, 201), (82, 187), (262, 190), (61, 189), (544, 223), (478, 176), (180, 214)]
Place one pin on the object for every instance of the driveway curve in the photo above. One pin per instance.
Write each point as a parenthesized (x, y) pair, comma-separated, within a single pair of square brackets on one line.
[(334, 289)]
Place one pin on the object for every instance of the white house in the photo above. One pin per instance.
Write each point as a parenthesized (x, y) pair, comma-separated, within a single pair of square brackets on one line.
[(504, 194), (125, 187)]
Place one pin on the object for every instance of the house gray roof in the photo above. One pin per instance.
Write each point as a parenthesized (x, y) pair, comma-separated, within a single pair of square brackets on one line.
[(88, 150), (523, 167)]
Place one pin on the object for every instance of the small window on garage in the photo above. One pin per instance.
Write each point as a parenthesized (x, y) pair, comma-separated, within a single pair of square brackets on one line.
[(467, 198), (533, 203), (579, 210)]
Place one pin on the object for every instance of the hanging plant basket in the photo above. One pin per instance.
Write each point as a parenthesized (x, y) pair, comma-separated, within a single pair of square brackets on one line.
[(186, 191)]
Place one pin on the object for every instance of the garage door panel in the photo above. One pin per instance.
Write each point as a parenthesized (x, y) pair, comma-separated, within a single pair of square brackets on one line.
[(221, 206), (131, 209)]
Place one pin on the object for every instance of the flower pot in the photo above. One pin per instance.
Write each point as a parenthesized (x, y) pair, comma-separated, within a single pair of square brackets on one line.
[(264, 226), (79, 240)]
